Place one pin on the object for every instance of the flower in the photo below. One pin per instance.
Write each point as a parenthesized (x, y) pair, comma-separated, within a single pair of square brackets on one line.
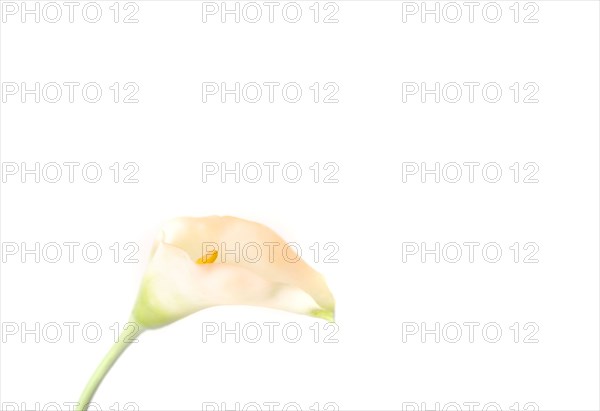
[(197, 263)]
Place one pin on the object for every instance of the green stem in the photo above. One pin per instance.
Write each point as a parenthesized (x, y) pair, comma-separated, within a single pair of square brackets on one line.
[(126, 337)]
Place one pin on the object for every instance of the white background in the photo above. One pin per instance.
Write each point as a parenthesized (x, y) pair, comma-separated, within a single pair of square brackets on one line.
[(370, 213)]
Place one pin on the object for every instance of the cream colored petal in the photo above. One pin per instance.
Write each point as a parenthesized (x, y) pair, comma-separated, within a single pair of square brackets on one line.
[(175, 285), (195, 235)]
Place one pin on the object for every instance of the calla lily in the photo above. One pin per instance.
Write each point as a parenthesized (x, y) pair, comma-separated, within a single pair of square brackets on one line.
[(197, 263)]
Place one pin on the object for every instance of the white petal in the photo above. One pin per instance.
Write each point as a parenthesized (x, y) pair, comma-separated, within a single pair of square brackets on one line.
[(174, 286)]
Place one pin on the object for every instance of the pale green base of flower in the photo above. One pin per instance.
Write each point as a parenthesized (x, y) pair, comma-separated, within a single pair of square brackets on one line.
[(125, 340), (323, 314)]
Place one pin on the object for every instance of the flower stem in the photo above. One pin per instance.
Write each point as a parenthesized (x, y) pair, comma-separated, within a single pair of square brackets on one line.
[(130, 332)]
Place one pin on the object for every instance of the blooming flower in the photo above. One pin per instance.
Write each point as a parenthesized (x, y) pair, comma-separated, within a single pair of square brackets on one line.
[(197, 263)]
